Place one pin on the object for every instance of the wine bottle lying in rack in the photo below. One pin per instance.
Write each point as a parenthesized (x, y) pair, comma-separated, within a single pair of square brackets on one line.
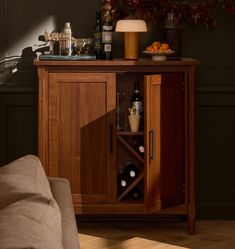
[(136, 193), (131, 170), (138, 145), (122, 181)]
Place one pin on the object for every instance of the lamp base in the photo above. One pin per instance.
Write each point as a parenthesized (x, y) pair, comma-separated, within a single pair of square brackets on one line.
[(131, 45)]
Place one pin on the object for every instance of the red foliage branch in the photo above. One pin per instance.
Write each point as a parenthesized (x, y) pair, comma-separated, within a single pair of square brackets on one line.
[(156, 10)]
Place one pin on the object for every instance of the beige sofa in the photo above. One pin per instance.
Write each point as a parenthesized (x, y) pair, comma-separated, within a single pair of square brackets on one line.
[(35, 212)]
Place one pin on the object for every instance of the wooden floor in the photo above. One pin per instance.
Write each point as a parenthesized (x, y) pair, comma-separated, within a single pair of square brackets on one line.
[(150, 235)]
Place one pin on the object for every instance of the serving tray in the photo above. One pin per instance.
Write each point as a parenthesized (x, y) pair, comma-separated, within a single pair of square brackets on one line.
[(50, 57)]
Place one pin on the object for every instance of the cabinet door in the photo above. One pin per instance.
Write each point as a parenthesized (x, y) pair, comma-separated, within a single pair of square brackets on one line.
[(164, 133), (81, 130)]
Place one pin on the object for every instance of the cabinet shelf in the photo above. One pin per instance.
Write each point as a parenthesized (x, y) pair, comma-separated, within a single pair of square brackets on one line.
[(131, 149), (129, 133), (131, 186)]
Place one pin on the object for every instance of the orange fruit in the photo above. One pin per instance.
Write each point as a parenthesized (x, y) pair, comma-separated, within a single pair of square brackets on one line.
[(156, 44)]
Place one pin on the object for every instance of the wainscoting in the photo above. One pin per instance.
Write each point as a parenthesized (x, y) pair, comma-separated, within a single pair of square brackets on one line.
[(215, 136), (18, 126)]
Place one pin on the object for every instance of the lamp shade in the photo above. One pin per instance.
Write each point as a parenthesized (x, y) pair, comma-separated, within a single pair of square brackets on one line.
[(131, 25)]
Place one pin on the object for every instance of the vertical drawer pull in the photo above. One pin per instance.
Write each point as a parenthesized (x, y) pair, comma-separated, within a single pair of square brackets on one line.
[(151, 145)]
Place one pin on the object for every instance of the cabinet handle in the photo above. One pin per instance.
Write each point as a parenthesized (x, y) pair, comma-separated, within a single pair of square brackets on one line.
[(151, 145), (111, 138)]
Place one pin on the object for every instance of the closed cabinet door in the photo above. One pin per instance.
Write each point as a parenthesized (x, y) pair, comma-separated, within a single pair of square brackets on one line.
[(164, 139), (81, 128)]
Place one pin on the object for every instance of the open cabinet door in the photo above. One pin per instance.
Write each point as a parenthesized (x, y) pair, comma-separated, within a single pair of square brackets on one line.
[(164, 141), (152, 111)]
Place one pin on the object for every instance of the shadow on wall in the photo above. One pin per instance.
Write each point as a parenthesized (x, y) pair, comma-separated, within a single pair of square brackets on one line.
[(19, 70), (20, 35)]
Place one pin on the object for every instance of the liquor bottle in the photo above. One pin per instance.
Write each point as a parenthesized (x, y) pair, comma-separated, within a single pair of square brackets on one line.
[(131, 170), (67, 42), (97, 32), (138, 145), (137, 100), (136, 193), (107, 36)]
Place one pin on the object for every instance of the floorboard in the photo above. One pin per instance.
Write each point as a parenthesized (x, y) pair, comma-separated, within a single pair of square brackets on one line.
[(156, 235)]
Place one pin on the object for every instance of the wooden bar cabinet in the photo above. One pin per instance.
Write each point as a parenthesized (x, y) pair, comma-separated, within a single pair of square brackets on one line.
[(78, 138)]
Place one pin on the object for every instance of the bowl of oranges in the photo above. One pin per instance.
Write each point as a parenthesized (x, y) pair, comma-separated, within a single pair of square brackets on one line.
[(158, 51)]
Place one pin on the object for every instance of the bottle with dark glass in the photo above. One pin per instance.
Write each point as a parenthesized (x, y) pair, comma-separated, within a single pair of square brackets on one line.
[(136, 99), (138, 145), (122, 182), (98, 36), (131, 171), (136, 193), (107, 36)]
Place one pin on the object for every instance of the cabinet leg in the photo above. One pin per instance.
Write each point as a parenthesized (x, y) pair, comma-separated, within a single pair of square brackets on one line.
[(191, 224)]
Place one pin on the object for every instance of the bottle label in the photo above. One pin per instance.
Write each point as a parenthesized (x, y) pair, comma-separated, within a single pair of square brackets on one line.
[(107, 37), (138, 106), (98, 40), (107, 47), (107, 27)]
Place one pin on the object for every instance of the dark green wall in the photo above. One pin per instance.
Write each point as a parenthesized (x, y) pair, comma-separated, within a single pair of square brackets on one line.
[(22, 21)]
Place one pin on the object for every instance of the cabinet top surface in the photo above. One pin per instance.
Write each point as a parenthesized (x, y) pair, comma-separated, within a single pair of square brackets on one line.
[(120, 62)]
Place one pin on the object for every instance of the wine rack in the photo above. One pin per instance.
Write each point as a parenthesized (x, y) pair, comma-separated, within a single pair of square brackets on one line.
[(128, 153), (130, 149)]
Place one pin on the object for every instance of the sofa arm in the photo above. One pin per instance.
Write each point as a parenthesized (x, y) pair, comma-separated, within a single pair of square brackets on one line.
[(61, 191)]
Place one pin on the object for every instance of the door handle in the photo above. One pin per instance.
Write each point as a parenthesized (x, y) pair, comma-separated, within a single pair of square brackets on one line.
[(151, 145)]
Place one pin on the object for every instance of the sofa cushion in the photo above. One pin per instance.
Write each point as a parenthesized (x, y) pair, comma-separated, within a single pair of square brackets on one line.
[(29, 215)]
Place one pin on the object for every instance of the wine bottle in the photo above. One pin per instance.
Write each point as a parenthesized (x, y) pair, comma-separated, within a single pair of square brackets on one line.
[(122, 181), (131, 170), (107, 36), (138, 146), (97, 33), (67, 43), (137, 100), (136, 193)]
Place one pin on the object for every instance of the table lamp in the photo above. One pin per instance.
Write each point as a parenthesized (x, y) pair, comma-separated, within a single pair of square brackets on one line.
[(131, 27)]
